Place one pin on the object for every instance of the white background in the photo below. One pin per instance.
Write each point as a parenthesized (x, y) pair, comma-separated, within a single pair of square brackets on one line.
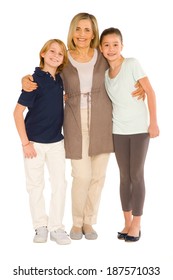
[(147, 30)]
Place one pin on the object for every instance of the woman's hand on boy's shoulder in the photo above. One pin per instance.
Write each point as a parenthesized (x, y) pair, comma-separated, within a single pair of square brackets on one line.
[(28, 83)]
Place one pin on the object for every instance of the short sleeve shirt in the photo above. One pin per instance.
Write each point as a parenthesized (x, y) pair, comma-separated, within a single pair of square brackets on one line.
[(44, 118), (130, 115)]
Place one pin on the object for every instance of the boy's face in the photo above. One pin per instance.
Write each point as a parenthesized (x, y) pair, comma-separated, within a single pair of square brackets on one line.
[(54, 56)]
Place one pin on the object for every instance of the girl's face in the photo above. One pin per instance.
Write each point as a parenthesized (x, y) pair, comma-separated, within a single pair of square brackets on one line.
[(53, 57), (83, 34), (111, 47)]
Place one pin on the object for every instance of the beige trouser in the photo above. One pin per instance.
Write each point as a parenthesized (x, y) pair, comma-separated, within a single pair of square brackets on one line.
[(88, 180), (53, 155)]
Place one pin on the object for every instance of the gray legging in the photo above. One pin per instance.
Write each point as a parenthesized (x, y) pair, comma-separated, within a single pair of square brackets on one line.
[(130, 152)]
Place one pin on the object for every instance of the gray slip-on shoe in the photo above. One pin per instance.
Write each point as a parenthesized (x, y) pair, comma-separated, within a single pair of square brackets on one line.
[(76, 235), (91, 235)]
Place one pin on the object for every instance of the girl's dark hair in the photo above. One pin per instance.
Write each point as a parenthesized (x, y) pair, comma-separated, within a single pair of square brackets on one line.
[(111, 30)]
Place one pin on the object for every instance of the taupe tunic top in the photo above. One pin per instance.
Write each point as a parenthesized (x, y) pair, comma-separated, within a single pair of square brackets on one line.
[(101, 112)]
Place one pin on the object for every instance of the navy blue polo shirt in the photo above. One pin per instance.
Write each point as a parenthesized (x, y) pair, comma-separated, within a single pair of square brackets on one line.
[(44, 118)]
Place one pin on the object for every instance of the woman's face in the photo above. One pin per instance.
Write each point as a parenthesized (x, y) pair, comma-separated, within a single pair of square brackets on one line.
[(83, 34)]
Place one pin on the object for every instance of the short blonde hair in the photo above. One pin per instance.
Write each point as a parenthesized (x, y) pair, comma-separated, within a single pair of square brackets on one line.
[(73, 25), (46, 47)]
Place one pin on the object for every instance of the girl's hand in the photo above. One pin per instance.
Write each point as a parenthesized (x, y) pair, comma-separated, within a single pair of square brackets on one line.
[(153, 130), (65, 97), (28, 84), (29, 151), (139, 92)]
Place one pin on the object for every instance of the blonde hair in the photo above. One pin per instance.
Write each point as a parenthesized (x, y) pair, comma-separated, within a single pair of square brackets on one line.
[(72, 28), (46, 47)]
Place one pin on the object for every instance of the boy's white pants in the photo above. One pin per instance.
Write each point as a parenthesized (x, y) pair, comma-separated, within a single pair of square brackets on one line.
[(54, 156)]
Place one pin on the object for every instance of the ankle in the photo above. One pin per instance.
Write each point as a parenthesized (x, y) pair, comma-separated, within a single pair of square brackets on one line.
[(134, 230), (125, 229), (87, 228), (76, 229)]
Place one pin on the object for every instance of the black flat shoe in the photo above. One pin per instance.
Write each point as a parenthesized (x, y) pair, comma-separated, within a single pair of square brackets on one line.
[(121, 235), (129, 238)]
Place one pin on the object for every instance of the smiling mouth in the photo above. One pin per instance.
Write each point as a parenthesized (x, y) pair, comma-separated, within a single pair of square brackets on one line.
[(55, 60), (81, 39)]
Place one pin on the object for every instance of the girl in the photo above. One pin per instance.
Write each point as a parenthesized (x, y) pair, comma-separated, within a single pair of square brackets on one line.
[(131, 131)]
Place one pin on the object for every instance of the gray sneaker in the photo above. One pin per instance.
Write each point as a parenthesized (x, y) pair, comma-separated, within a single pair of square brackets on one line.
[(60, 237), (41, 234)]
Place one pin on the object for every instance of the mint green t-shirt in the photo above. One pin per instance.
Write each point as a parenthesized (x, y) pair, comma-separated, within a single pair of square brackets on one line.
[(130, 115)]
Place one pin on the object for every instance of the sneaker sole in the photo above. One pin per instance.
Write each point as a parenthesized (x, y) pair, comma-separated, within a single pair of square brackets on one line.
[(60, 242), (40, 241)]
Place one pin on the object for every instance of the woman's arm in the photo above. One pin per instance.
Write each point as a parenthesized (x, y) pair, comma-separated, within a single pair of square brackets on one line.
[(28, 147), (139, 92), (151, 99), (28, 83)]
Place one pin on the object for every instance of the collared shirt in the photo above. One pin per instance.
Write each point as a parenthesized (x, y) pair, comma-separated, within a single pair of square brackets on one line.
[(44, 118)]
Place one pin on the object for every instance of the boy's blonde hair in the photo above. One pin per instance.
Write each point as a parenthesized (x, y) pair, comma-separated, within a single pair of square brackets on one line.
[(46, 47)]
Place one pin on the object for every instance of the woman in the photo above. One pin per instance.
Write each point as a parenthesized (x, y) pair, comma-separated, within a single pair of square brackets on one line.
[(87, 122)]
